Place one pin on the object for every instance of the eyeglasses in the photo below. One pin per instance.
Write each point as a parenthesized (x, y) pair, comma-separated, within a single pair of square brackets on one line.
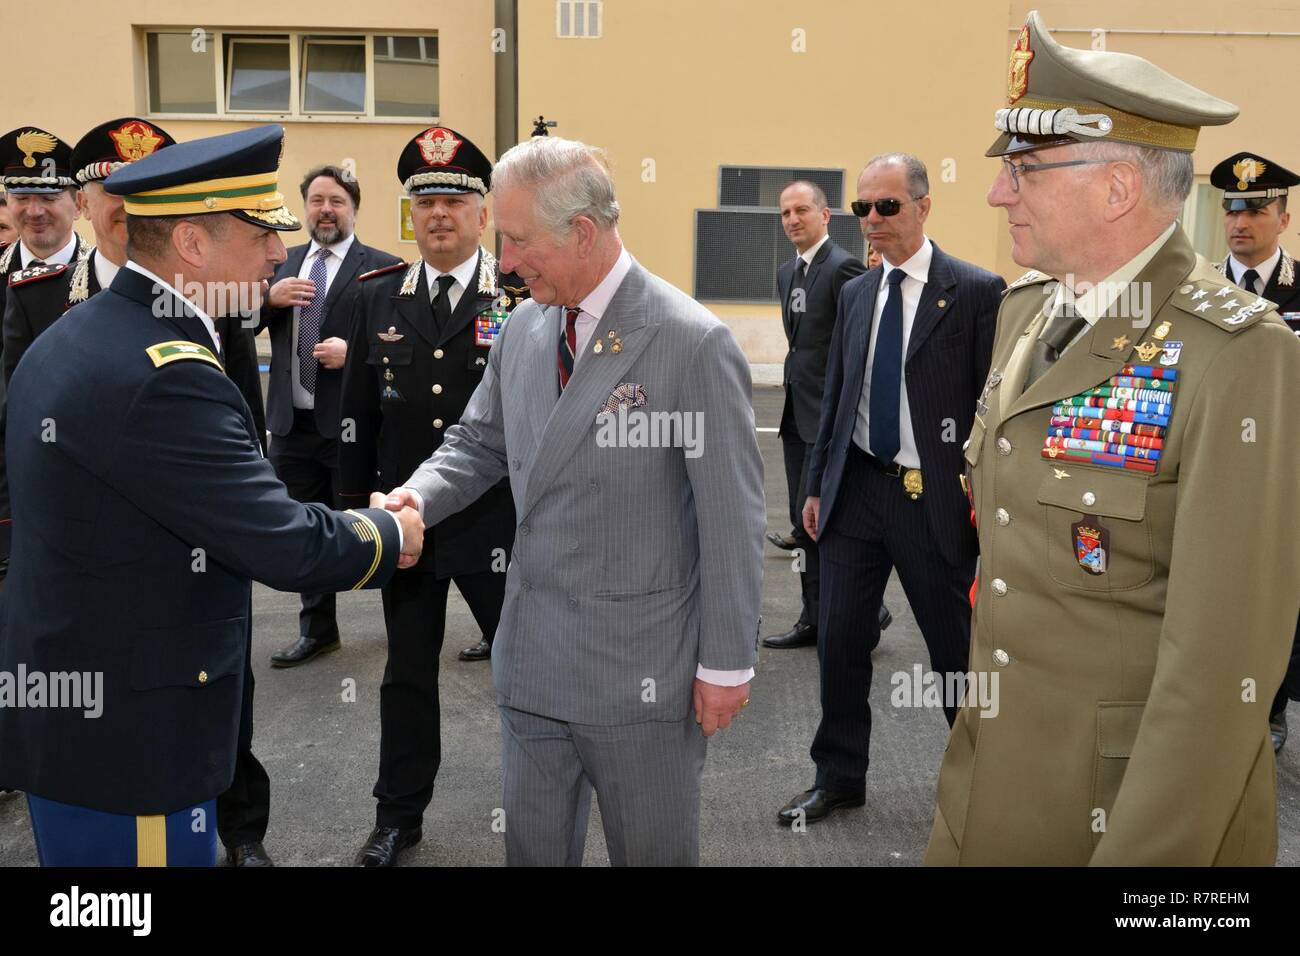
[(1018, 169), (886, 207)]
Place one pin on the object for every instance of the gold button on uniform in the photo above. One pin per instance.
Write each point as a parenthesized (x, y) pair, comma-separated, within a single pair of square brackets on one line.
[(999, 586), (1089, 498), (1001, 657), (437, 423), (437, 353), (1003, 517), (1004, 446), (385, 359), (203, 677), (437, 389)]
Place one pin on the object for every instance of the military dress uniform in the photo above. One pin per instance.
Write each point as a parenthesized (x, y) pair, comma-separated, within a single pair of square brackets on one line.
[(411, 370), (1136, 517), (146, 519), (1249, 180)]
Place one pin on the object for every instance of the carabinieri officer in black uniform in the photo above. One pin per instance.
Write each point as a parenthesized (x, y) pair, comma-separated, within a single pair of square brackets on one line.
[(148, 510), (420, 342)]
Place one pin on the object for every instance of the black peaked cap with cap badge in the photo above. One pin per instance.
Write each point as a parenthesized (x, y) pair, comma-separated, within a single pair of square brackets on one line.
[(1250, 181), (441, 160), (35, 161), (110, 146), (233, 173), (1059, 95)]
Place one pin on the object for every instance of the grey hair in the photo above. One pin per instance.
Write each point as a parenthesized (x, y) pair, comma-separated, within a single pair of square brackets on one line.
[(918, 179), (1166, 173), (569, 179)]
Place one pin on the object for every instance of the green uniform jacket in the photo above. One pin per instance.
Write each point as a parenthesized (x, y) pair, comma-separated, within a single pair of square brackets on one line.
[(1132, 705)]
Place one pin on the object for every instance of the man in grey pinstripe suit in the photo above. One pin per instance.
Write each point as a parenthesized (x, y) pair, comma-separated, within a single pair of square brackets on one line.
[(620, 410)]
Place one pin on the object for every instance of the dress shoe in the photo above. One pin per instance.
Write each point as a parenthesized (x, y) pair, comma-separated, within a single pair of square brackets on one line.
[(886, 618), (817, 804), (303, 650), (385, 845), (783, 541), (248, 854), (801, 635), (481, 651), (1277, 728)]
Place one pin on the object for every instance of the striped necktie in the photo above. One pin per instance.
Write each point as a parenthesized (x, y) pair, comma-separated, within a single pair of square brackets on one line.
[(567, 347)]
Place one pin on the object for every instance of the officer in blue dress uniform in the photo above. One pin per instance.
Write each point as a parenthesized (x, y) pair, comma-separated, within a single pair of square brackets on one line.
[(1255, 216), (148, 511)]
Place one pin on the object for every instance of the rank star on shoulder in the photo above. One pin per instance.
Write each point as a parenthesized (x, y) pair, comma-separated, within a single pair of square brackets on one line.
[(1230, 304), (1199, 294), (188, 348), (1202, 307)]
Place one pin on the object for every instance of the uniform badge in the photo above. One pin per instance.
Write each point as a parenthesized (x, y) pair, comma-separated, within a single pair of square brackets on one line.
[(1091, 545), (1162, 331), (487, 326), (390, 394), (1018, 72), (438, 146), (1247, 170), (392, 335), (33, 142), (1120, 344), (1172, 351), (1148, 351), (912, 483), (135, 140)]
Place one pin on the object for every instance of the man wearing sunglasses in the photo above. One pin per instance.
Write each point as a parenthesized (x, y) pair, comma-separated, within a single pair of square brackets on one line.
[(1131, 469), (910, 349), (1254, 218)]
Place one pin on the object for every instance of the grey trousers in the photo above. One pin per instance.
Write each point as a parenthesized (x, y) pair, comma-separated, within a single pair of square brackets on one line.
[(647, 776)]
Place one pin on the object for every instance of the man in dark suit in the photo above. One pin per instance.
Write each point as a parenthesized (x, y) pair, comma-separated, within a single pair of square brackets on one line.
[(146, 517), (1255, 216), (421, 338), (311, 301), (911, 349), (809, 286)]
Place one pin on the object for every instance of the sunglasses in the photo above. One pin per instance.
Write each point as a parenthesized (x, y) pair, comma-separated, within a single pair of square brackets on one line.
[(886, 207)]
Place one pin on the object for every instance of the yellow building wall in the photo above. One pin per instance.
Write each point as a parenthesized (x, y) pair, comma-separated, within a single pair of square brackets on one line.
[(90, 67)]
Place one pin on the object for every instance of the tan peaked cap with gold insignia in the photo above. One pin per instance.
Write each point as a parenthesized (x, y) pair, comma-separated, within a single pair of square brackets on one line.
[(1057, 95)]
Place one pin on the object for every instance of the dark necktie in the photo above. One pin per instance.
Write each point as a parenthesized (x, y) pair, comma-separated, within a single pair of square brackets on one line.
[(36, 262), (800, 274), (567, 347), (1058, 333), (442, 303), (310, 320), (887, 373), (1248, 279)]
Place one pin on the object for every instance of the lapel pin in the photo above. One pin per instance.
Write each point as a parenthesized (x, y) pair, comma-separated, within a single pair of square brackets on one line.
[(1120, 343), (617, 346), (610, 334), (1060, 473), (599, 347), (942, 303), (1162, 330), (1147, 351)]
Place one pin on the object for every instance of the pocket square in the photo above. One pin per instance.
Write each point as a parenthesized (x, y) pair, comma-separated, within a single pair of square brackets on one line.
[(627, 395)]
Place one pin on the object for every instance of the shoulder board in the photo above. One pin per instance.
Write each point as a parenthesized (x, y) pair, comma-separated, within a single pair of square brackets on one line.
[(7, 256), (164, 353), (381, 271), (1032, 277), (34, 274), (1208, 295)]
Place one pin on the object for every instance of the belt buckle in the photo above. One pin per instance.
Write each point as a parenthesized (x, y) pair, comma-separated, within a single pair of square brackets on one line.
[(912, 483)]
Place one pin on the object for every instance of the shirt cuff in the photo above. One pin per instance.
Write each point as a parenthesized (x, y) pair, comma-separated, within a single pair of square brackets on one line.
[(724, 678), (400, 536)]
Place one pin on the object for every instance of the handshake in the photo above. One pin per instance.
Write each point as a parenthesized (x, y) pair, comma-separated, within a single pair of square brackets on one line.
[(406, 509)]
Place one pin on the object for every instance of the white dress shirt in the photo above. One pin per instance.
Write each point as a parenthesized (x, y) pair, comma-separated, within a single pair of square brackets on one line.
[(464, 274), (811, 254), (301, 397), (1265, 270), (592, 308), (60, 258), (917, 270), (105, 271)]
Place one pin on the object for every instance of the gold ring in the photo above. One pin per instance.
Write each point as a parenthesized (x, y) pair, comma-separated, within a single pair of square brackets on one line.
[(744, 704)]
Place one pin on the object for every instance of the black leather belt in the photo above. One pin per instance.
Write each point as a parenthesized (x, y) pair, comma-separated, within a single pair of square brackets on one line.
[(912, 482)]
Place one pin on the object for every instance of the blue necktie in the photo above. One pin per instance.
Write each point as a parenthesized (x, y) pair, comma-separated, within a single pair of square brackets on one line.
[(310, 320), (887, 373)]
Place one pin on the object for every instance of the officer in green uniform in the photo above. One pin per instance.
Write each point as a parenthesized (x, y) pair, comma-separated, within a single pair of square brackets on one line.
[(1131, 469)]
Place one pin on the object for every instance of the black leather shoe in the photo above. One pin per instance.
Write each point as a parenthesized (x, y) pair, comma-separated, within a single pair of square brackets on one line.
[(1277, 728), (817, 804), (385, 845), (801, 635), (303, 650), (886, 618), (248, 854), (481, 651), (783, 541)]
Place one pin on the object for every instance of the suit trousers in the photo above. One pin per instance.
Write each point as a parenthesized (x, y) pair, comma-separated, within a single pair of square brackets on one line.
[(244, 810), (798, 455), (878, 528), (308, 464), (410, 742), (647, 777)]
